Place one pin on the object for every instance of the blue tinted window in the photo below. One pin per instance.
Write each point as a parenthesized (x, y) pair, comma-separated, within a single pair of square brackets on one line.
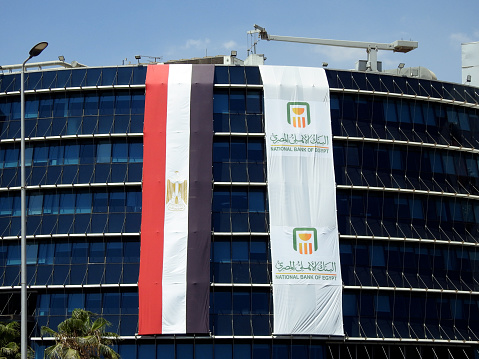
[(129, 303), (395, 160), (56, 155), (252, 75), (97, 252), (255, 150), (16, 110), (35, 202), (13, 254), (122, 104), (100, 202), (111, 303), (60, 106), (240, 251), (75, 105), (72, 154), (93, 302), (6, 204), (63, 253), (131, 252), (448, 162), (220, 101), (44, 304), (221, 251), (238, 149), (237, 75), (87, 153), (83, 203), (104, 152), (221, 75), (67, 203), (390, 111), (138, 103), (221, 150), (107, 101), (45, 253), (117, 201), (256, 200), (114, 252), (237, 101), (80, 252), (204, 351), (16, 206), (51, 204), (133, 202), (73, 125), (223, 351), (136, 152), (11, 157), (221, 200), (239, 200), (31, 109), (147, 351), (120, 152), (75, 300), (46, 107), (91, 104)]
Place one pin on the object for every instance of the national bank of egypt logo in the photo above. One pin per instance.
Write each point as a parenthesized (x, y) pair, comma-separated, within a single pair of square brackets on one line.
[(305, 240), (298, 114)]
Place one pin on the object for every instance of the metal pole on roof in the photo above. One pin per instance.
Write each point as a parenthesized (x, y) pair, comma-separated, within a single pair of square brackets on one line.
[(35, 51)]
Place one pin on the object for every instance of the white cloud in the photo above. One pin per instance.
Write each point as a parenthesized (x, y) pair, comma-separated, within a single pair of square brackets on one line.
[(230, 45), (197, 44), (459, 38)]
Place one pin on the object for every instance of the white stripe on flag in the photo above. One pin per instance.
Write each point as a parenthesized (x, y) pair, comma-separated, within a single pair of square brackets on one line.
[(176, 219)]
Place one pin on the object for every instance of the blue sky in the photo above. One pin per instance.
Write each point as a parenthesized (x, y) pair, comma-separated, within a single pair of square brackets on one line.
[(106, 32)]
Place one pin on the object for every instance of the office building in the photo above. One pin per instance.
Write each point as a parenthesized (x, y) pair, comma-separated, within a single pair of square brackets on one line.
[(407, 177)]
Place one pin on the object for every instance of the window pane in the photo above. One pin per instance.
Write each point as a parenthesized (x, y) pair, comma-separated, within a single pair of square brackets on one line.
[(67, 203), (72, 154), (83, 204), (35, 202), (75, 106), (136, 152), (120, 152), (91, 104)]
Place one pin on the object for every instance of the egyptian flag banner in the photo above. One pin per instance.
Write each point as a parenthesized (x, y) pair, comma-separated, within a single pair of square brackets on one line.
[(307, 286), (174, 276)]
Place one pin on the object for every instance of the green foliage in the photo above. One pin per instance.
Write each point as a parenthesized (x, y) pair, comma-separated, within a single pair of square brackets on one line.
[(81, 337), (10, 341)]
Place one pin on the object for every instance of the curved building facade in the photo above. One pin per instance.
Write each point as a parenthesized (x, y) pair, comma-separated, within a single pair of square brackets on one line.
[(407, 177)]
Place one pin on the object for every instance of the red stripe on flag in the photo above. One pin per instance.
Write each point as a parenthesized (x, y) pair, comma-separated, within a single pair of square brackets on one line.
[(153, 201)]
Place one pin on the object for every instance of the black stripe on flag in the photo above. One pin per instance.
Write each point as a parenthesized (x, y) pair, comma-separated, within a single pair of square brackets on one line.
[(200, 194)]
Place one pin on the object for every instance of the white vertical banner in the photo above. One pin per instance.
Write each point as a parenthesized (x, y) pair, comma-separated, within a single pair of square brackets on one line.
[(307, 286), (176, 189)]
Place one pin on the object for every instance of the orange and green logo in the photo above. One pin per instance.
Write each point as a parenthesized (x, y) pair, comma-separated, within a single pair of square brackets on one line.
[(305, 240), (298, 114)]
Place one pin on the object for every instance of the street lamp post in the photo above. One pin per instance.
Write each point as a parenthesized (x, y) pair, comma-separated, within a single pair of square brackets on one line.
[(35, 51)]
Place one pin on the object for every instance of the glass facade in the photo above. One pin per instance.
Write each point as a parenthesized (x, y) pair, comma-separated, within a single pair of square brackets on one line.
[(407, 174)]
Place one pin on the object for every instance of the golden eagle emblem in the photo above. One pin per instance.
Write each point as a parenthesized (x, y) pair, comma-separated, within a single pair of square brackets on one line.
[(176, 193)]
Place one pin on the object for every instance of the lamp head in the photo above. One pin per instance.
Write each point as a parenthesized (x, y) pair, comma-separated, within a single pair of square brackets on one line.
[(38, 48)]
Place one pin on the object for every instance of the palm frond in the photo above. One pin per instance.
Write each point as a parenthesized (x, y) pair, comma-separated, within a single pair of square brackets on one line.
[(48, 331), (81, 337)]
